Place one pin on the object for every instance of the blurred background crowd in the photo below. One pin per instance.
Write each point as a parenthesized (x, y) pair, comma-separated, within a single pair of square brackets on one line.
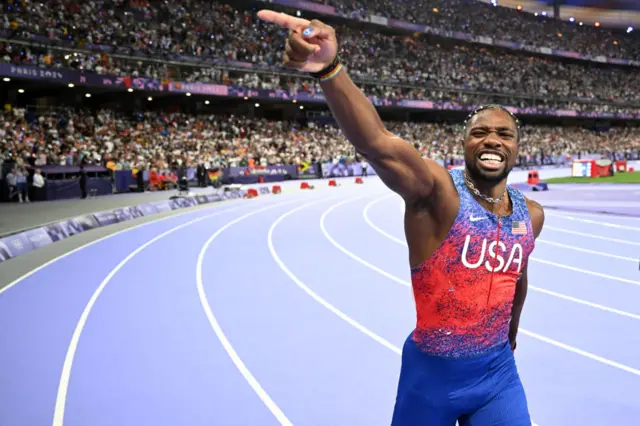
[(225, 44)]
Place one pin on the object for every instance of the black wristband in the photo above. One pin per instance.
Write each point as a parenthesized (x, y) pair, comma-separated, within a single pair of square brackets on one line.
[(328, 69)]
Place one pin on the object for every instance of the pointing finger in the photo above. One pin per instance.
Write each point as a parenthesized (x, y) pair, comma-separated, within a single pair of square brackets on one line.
[(282, 19)]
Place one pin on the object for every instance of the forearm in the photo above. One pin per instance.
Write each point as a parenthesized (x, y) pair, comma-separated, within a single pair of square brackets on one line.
[(518, 303), (355, 114)]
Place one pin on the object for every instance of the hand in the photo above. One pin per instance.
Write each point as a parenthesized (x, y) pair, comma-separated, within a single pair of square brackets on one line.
[(311, 45)]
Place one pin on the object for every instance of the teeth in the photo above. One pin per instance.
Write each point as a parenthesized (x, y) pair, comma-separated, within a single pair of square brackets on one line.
[(491, 157)]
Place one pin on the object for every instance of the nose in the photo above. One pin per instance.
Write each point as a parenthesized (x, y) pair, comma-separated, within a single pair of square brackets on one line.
[(492, 140)]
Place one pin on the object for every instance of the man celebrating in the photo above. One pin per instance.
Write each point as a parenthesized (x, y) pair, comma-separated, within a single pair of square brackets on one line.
[(469, 238)]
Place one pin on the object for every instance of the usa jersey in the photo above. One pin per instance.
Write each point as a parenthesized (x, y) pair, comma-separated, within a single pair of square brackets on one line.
[(464, 291)]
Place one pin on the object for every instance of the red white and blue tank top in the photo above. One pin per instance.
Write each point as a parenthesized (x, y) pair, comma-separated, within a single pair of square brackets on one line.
[(464, 291)]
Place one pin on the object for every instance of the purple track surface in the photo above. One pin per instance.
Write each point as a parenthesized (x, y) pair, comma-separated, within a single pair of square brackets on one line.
[(292, 309)]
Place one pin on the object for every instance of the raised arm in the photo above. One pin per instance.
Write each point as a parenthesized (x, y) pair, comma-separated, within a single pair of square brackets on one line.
[(312, 47)]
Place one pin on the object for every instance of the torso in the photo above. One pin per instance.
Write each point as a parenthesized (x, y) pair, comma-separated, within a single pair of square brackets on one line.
[(464, 290)]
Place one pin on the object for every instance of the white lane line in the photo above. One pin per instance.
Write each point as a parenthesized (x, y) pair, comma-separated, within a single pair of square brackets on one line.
[(586, 354), (584, 250), (106, 237), (586, 271), (594, 222), (347, 252), (313, 294), (365, 214), (588, 235), (319, 299), (240, 365), (599, 215), (568, 347), (547, 262), (63, 386)]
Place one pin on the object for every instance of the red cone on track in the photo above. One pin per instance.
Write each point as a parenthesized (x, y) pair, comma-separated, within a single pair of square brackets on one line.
[(332, 182), (251, 193), (304, 185), (276, 189), (359, 180)]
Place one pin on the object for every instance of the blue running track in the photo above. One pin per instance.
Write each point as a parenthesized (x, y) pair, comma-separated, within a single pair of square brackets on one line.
[(292, 309)]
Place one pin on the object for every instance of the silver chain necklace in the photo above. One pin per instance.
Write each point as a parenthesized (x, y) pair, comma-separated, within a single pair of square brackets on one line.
[(473, 189)]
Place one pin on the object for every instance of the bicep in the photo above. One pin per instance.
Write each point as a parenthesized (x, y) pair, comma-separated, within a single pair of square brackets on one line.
[(402, 169)]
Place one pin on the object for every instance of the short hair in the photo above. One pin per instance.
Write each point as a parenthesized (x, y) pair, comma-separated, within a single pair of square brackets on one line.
[(493, 106)]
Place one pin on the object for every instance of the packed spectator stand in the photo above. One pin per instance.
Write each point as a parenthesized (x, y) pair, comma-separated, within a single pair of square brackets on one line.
[(207, 42)]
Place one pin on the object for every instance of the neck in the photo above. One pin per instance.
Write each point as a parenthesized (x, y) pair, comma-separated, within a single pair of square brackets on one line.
[(491, 189)]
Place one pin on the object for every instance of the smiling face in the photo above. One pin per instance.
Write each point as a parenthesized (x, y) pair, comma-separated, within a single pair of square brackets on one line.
[(491, 145)]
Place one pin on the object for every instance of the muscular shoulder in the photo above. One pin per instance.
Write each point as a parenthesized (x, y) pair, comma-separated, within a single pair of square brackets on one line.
[(441, 175), (537, 216), (443, 184), (443, 201)]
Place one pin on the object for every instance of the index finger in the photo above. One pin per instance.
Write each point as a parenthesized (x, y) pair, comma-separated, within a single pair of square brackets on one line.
[(282, 19)]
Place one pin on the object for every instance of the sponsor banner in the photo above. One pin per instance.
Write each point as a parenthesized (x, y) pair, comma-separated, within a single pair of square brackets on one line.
[(61, 230), (162, 206), (199, 88), (38, 237), (214, 198), (147, 209), (566, 54), (181, 203), (15, 245), (202, 199), (5, 253), (70, 76), (56, 231), (345, 170), (257, 171), (380, 20), (78, 77), (508, 44), (307, 5), (106, 218), (233, 194), (407, 26), (484, 40), (87, 222), (128, 213)]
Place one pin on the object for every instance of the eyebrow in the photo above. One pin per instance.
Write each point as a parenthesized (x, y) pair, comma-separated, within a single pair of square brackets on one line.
[(502, 128)]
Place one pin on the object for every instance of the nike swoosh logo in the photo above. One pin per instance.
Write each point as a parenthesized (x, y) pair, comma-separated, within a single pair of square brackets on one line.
[(475, 219)]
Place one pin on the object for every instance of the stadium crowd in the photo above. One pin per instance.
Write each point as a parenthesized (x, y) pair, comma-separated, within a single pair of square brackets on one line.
[(161, 141), (384, 65), (188, 40), (190, 26), (501, 23)]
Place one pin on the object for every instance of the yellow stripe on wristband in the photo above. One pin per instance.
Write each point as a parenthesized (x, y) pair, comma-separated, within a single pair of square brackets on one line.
[(331, 74)]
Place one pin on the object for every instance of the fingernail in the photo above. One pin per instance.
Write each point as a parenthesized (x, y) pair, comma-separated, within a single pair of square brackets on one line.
[(307, 32)]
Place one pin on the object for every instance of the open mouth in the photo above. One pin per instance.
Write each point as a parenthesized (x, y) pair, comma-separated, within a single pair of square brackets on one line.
[(490, 160)]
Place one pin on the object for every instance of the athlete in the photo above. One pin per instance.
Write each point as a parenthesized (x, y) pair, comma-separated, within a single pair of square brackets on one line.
[(469, 238)]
